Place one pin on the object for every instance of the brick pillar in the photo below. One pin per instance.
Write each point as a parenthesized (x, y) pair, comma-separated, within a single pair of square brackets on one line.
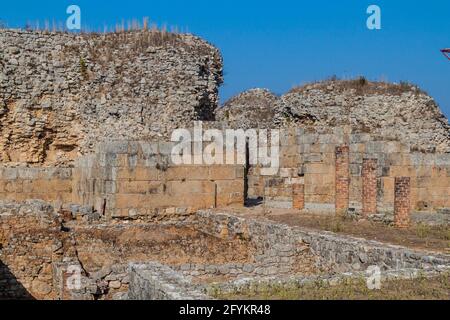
[(298, 196), (369, 186), (342, 179), (402, 202)]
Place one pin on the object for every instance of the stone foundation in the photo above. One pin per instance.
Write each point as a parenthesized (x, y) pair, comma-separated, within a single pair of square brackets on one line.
[(342, 254), (154, 281), (208, 247)]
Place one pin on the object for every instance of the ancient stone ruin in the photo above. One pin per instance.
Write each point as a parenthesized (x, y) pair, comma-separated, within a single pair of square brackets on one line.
[(93, 207)]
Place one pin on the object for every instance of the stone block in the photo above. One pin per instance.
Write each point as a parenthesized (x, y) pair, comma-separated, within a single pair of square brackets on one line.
[(190, 187), (197, 172), (139, 187), (357, 148), (139, 174), (176, 173), (222, 173), (10, 173), (230, 186), (149, 148), (313, 157)]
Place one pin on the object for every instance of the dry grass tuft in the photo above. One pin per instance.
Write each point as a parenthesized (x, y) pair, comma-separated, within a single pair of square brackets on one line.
[(360, 86)]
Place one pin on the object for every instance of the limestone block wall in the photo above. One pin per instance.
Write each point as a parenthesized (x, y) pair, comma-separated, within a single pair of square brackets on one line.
[(309, 158), (429, 174), (49, 184), (132, 179)]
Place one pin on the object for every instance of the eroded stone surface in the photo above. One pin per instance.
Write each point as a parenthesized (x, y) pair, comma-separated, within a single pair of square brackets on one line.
[(392, 111), (62, 93)]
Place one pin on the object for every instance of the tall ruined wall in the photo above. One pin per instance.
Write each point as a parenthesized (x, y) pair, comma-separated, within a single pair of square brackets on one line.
[(399, 112), (60, 94), (255, 108)]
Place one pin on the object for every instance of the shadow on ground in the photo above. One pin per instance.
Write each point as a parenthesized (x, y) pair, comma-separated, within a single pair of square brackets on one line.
[(10, 287)]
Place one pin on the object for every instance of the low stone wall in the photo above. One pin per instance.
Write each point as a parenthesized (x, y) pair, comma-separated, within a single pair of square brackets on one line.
[(336, 252), (29, 243), (278, 250), (432, 219), (153, 281), (256, 285)]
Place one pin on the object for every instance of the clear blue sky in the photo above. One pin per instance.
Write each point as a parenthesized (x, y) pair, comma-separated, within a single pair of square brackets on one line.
[(280, 44)]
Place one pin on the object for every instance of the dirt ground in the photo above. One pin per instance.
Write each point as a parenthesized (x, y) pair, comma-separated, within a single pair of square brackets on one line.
[(105, 245), (421, 237)]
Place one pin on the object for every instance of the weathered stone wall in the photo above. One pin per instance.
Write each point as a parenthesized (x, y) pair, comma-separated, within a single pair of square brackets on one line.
[(339, 253), (309, 158), (29, 243), (38, 246), (138, 179), (252, 109), (276, 247), (132, 179), (23, 183), (277, 250), (396, 112), (128, 180), (61, 93), (153, 281)]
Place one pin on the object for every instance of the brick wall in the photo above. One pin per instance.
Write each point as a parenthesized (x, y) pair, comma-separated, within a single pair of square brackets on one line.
[(402, 208), (342, 179), (298, 194), (369, 187)]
